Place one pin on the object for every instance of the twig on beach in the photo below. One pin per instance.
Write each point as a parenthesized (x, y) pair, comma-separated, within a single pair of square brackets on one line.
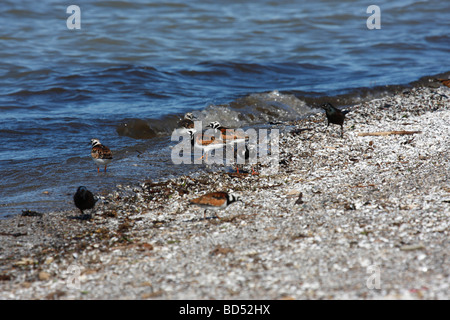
[(300, 130), (386, 133), (13, 234)]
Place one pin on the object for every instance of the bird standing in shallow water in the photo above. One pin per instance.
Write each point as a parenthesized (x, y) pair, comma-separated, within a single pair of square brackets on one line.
[(228, 135), (84, 199), (215, 201), (187, 122), (205, 142), (334, 115), (101, 154)]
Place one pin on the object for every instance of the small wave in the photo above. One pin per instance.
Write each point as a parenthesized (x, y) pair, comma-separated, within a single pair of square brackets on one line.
[(118, 4), (144, 129), (49, 91), (440, 39), (253, 109)]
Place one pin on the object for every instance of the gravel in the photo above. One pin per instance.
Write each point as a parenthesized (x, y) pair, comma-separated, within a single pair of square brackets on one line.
[(358, 217)]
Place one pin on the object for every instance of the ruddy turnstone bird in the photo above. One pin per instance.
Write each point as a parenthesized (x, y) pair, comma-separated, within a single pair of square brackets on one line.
[(334, 115), (101, 154), (187, 122), (228, 134), (205, 142), (215, 201), (84, 199), (445, 82), (242, 155)]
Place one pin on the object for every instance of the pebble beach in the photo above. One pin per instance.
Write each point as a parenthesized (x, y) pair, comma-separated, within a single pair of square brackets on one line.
[(363, 216)]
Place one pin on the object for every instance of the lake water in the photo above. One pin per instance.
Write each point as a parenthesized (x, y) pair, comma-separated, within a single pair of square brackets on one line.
[(133, 68)]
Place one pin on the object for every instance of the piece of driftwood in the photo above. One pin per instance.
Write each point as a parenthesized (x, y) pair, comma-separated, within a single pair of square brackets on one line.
[(300, 130), (386, 133)]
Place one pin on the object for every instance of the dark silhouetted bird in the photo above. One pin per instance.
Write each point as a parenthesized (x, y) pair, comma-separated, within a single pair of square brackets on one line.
[(299, 199), (84, 199), (243, 154), (334, 115)]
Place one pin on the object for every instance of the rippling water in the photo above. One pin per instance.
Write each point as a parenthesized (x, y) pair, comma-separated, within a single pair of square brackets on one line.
[(133, 68)]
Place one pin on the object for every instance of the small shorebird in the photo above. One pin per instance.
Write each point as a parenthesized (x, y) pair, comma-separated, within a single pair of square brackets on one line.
[(101, 154), (187, 122), (205, 142), (242, 155), (84, 199), (215, 201), (228, 135), (445, 82), (334, 115)]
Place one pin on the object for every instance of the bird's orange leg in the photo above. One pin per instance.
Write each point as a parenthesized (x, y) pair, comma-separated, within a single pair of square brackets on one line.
[(205, 155)]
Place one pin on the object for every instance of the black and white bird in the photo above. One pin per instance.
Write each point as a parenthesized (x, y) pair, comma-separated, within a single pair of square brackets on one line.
[(228, 135), (215, 201), (84, 199), (205, 142), (187, 122)]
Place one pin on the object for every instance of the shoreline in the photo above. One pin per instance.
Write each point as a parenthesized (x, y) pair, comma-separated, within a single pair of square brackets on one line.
[(54, 194), (369, 204)]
